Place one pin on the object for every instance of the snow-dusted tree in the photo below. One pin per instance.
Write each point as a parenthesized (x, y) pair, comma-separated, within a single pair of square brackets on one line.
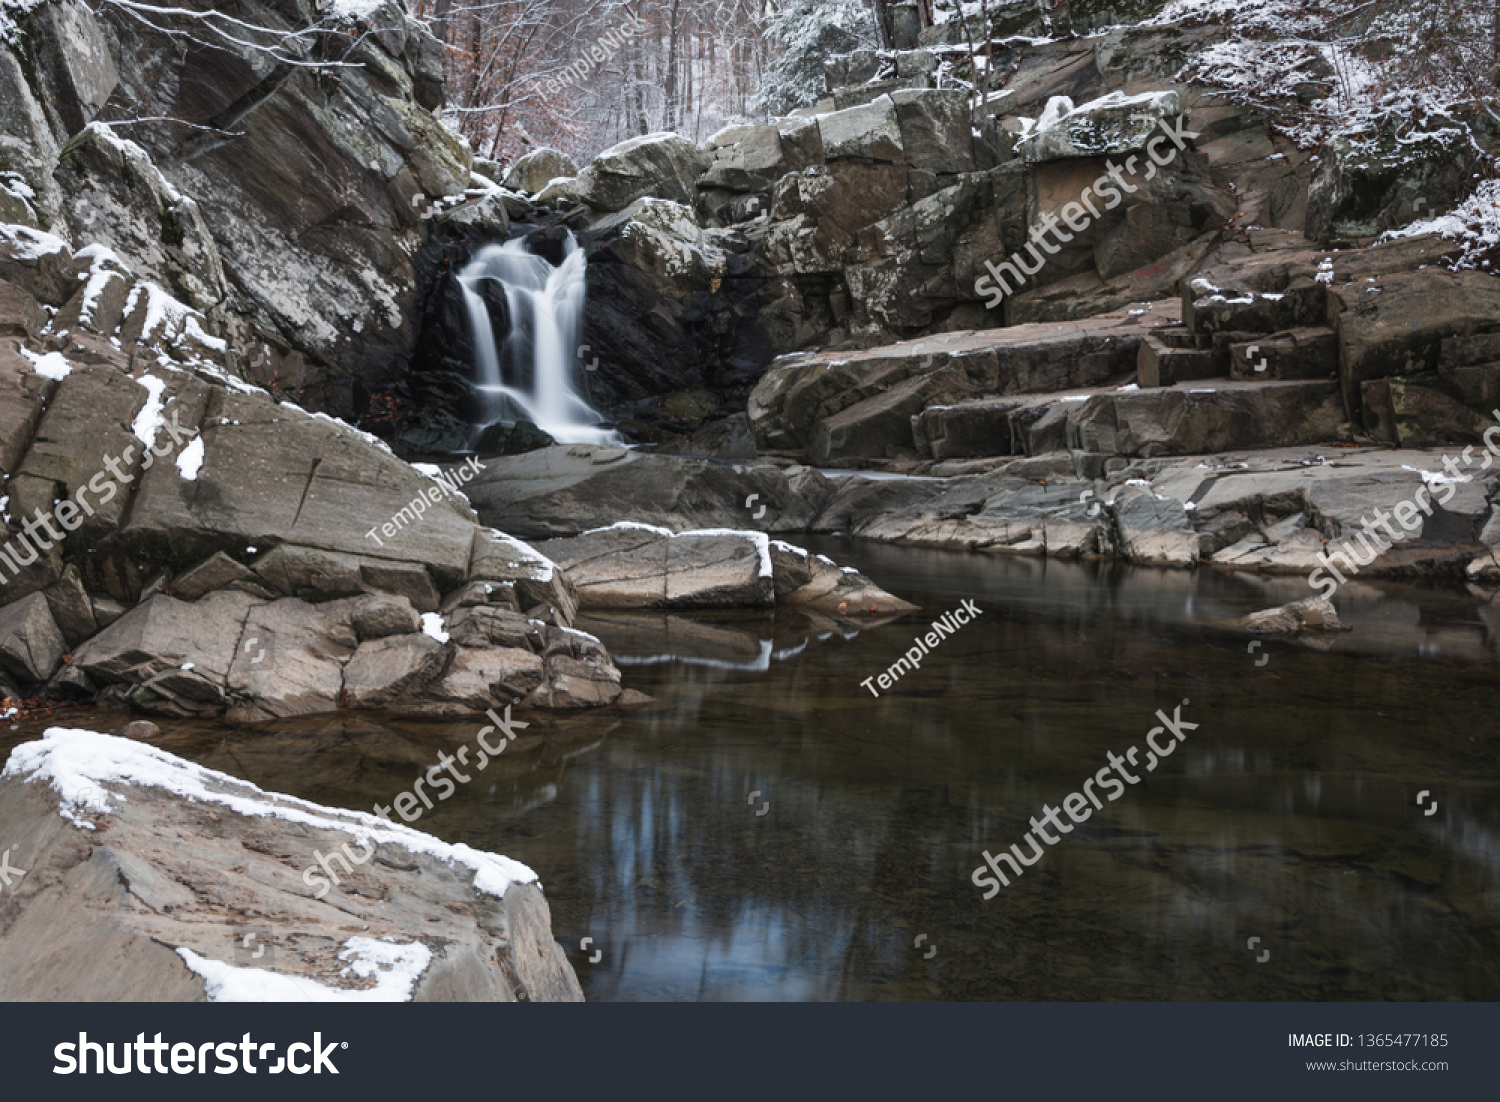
[(807, 33)]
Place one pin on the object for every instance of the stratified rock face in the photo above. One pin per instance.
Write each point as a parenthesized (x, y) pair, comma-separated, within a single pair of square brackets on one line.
[(112, 192), (140, 870), (843, 407), (292, 158)]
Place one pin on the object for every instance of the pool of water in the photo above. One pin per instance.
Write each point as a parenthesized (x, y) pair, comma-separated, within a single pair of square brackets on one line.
[(769, 829)]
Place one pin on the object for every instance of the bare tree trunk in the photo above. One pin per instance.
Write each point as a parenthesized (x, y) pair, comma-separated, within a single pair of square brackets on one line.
[(669, 109), (638, 77), (1495, 44), (440, 20), (883, 23)]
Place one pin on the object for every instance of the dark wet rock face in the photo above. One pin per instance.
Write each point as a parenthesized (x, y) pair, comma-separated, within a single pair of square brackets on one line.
[(668, 305), (440, 373)]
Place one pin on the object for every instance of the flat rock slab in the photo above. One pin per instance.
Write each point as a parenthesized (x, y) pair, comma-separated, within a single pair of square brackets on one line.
[(1278, 511), (563, 491), (638, 566), (634, 566), (149, 878)]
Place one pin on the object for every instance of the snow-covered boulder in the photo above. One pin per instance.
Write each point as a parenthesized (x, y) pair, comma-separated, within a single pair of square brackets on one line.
[(662, 165), (870, 132), (1115, 123), (133, 873), (537, 169), (1397, 170)]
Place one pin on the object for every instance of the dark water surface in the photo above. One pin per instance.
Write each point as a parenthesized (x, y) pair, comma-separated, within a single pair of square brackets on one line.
[(1288, 815)]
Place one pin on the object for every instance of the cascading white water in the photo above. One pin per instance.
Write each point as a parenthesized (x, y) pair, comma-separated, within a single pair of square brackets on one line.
[(534, 374)]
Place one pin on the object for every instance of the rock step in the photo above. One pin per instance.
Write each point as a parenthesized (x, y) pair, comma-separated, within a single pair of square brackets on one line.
[(1160, 364), (1311, 352), (1208, 309), (1178, 335), (1473, 350), (1137, 423), (844, 407), (1202, 420), (1420, 411)]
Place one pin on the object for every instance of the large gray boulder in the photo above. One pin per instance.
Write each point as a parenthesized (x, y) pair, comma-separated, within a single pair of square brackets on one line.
[(753, 162), (662, 166), (1153, 530), (870, 132), (537, 169), (1396, 324), (351, 907), (936, 135), (31, 646), (631, 566)]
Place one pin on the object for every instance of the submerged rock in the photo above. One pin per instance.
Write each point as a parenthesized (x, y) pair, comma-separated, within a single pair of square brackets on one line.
[(145, 877), (1308, 614)]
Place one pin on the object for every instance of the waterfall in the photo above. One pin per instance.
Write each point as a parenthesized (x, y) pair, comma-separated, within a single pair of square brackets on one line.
[(535, 374)]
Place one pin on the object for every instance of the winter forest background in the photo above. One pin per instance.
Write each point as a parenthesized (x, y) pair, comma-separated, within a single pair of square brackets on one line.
[(701, 64)]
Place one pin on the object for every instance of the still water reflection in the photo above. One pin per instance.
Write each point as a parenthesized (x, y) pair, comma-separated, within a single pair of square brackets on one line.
[(769, 830)]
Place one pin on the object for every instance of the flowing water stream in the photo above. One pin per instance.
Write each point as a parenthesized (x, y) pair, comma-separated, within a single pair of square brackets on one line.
[(534, 373), (769, 830)]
